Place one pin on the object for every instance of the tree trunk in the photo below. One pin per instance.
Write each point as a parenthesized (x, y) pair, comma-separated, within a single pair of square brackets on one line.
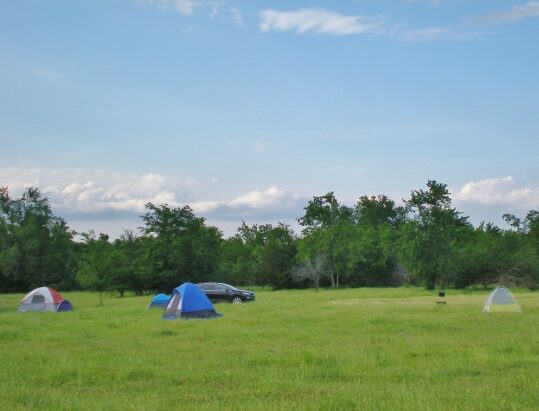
[(331, 265), (317, 283), (430, 282)]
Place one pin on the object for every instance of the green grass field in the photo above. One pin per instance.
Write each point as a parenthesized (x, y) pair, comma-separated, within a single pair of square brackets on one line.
[(364, 349)]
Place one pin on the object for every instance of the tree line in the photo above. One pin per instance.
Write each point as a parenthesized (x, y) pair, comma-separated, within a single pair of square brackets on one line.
[(375, 243)]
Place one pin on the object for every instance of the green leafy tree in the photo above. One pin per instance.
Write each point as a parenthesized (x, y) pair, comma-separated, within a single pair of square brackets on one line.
[(96, 264), (277, 256), (126, 256), (261, 254), (326, 219), (532, 219), (35, 245), (520, 251), (371, 248), (378, 211), (180, 247), (426, 239), (476, 257), (370, 256), (236, 265)]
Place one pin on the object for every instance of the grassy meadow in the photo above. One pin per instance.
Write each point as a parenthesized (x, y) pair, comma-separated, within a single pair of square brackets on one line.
[(366, 349)]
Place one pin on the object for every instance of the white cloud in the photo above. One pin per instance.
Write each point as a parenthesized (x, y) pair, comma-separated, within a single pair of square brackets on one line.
[(358, 172), (320, 21), (259, 145), (257, 198), (430, 34), (237, 17), (91, 197), (423, 35), (95, 191), (214, 9), (499, 191), (518, 12), (323, 21), (187, 7), (424, 1), (50, 73), (269, 204), (47, 73)]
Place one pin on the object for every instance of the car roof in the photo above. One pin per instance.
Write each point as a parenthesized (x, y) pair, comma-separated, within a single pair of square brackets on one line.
[(214, 282)]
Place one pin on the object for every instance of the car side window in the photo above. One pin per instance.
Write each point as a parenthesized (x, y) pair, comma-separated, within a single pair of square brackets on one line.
[(208, 287)]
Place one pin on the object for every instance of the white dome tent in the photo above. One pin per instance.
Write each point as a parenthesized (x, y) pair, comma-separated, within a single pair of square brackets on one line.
[(501, 300)]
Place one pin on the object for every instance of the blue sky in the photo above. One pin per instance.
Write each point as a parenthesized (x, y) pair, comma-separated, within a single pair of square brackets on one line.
[(245, 110)]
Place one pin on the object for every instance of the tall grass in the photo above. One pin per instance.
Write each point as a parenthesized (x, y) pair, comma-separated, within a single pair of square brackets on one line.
[(340, 349)]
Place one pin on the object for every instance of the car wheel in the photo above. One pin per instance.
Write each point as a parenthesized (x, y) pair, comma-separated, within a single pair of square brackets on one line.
[(236, 300)]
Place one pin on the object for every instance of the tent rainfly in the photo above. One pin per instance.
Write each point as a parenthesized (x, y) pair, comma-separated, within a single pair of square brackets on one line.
[(159, 301), (44, 299), (501, 300), (189, 301)]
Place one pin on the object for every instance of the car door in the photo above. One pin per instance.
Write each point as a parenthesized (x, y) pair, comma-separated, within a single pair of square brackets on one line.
[(223, 293), (211, 292)]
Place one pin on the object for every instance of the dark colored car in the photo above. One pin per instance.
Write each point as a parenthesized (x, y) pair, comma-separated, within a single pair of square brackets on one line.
[(217, 292)]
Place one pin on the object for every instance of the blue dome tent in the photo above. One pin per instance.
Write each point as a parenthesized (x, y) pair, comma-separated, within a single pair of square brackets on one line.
[(159, 301), (189, 301)]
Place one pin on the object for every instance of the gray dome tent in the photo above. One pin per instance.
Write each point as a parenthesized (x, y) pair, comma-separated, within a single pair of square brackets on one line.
[(501, 300)]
